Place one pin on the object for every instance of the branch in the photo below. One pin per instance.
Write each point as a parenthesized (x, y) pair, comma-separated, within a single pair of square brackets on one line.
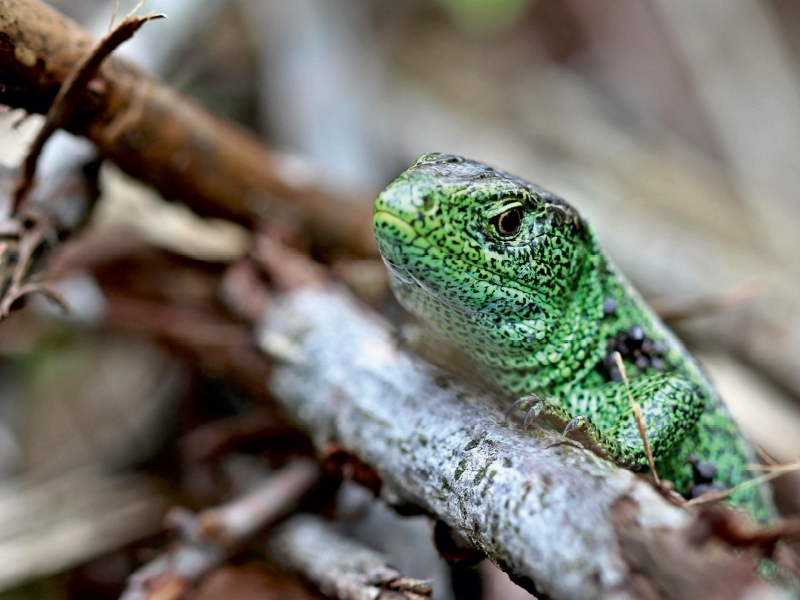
[(163, 138), (553, 516), (340, 567), (73, 88), (31, 232), (208, 538)]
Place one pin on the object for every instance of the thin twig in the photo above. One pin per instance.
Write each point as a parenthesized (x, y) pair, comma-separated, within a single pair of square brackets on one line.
[(339, 566), (765, 457), (113, 15), (637, 411), (773, 472), (129, 15), (209, 537), (775, 467), (70, 93)]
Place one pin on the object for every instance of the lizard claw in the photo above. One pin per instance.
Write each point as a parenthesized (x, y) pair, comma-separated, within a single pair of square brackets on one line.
[(521, 403), (577, 428), (533, 414), (581, 430), (576, 424)]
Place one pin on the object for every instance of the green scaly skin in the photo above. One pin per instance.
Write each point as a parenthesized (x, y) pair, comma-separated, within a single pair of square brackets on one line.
[(541, 311)]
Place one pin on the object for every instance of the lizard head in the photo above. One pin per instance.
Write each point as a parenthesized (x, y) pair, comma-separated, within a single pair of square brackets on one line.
[(461, 238)]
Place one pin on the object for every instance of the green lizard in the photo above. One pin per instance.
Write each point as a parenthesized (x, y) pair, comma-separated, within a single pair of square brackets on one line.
[(515, 278)]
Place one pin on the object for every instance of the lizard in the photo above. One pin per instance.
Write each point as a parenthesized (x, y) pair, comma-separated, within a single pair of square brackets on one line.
[(515, 279)]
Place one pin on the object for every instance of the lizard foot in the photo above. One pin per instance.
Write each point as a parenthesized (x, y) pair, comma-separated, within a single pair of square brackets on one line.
[(523, 403), (582, 430), (539, 409)]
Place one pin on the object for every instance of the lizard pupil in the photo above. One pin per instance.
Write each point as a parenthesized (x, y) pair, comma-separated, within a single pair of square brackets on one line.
[(508, 223)]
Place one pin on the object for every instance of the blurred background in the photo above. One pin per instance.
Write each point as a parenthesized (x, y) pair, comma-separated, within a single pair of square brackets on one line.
[(672, 125)]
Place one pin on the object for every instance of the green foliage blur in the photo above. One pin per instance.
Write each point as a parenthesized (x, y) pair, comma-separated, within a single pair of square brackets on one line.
[(486, 16)]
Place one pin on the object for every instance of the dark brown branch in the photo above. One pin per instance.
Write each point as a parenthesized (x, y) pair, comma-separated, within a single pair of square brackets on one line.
[(163, 138), (30, 231), (73, 88)]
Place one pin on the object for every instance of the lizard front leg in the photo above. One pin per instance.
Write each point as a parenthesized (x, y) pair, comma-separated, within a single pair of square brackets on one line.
[(580, 429), (670, 406)]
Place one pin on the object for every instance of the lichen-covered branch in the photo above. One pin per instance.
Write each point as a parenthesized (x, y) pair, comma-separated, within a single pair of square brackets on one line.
[(340, 567), (162, 137), (555, 517)]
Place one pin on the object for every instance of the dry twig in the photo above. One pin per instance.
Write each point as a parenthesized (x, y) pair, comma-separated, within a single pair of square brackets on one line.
[(30, 233), (637, 411), (772, 471), (68, 97), (209, 537), (340, 567)]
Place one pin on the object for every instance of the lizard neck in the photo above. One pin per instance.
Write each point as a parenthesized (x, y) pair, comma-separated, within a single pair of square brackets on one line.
[(573, 345)]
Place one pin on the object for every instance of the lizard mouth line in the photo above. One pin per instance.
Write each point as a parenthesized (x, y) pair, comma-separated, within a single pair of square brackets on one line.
[(396, 247), (398, 271)]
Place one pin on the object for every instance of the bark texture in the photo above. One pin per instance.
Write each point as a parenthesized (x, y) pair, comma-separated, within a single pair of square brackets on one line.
[(555, 517)]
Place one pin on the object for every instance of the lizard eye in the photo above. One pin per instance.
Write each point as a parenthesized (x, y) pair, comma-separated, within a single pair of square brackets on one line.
[(508, 223)]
